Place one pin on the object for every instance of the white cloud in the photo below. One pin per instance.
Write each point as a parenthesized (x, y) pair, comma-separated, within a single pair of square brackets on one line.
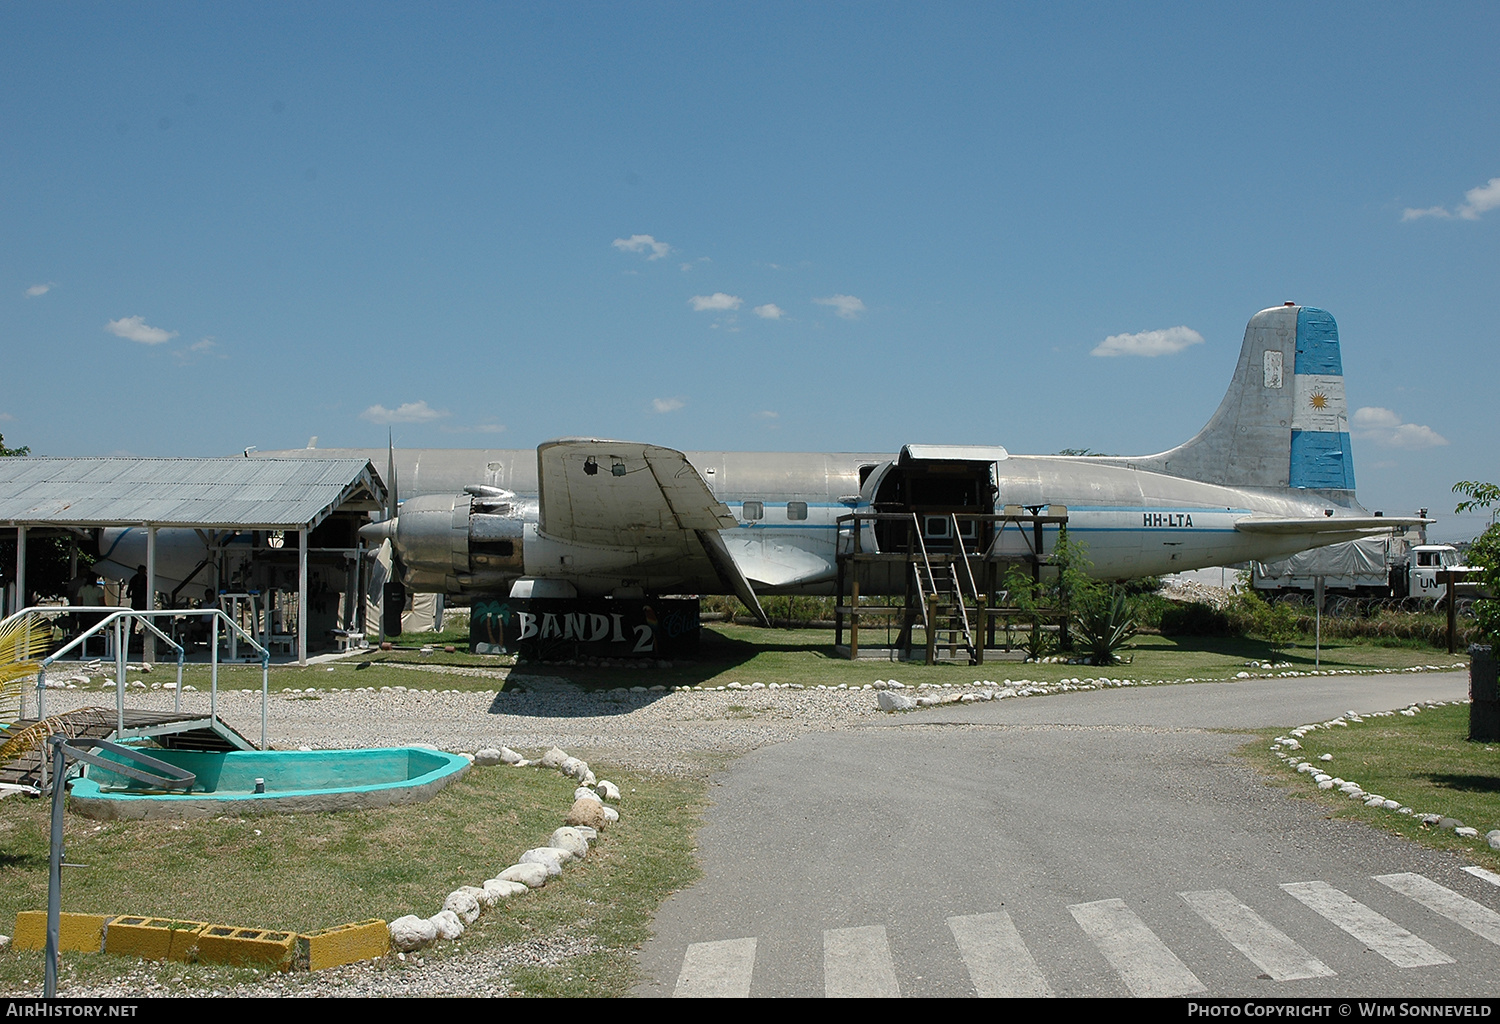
[(203, 347), (39, 289), (6, 417), (1372, 417), (1432, 211), (846, 306), (718, 301), (1485, 197), (406, 412), (1477, 200), (770, 311), (135, 328), (767, 414), (667, 404), (642, 243), (1148, 343), (1386, 428)]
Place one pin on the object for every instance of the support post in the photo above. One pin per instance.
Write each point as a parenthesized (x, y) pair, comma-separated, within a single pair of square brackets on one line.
[(265, 694), (302, 596), (1318, 629), (932, 632), (361, 599), (122, 640), (1452, 607), (54, 868), (854, 619), (213, 671), (984, 621), (148, 638), (20, 600), (840, 561)]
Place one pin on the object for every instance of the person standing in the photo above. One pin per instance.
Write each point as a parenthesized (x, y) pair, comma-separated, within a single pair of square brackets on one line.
[(140, 598)]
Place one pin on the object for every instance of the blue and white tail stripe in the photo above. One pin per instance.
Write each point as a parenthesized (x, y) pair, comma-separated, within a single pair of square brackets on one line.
[(1320, 455)]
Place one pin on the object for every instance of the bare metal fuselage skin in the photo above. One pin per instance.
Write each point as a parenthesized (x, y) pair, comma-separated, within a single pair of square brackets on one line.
[(1130, 522)]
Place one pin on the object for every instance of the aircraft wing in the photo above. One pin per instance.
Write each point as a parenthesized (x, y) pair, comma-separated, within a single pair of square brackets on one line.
[(771, 564), (622, 493), (627, 494), (1326, 524)]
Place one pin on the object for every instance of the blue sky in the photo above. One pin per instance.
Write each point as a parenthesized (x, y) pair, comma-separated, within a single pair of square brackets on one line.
[(753, 226)]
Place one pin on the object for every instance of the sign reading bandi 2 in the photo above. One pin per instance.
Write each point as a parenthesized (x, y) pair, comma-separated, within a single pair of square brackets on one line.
[(547, 629)]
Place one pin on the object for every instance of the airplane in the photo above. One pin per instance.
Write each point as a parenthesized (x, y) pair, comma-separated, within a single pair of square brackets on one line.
[(1270, 474)]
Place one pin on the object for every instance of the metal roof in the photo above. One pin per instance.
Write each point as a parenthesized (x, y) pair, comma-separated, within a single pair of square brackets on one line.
[(223, 493)]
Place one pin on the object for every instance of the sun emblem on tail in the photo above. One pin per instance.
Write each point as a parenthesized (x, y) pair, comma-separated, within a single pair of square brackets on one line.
[(1319, 400)]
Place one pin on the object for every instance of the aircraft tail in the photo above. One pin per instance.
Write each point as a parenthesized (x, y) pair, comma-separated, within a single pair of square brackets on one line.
[(1284, 422)]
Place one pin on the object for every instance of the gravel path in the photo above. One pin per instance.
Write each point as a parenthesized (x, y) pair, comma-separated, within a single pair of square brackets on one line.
[(676, 731)]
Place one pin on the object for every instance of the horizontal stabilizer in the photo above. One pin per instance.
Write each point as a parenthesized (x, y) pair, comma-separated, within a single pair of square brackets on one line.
[(1327, 524)]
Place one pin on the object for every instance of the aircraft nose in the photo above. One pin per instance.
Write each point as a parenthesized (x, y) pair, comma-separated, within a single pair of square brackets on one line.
[(376, 533)]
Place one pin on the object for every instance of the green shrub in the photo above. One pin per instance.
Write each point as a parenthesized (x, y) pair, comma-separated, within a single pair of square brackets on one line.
[(1194, 618), (1147, 609), (1104, 624)]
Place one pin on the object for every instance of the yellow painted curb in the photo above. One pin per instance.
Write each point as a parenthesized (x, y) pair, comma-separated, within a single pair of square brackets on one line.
[(225, 944), (343, 944), (80, 933), (153, 938)]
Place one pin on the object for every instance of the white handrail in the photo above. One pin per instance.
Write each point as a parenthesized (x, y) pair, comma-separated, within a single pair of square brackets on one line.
[(115, 618), (926, 562)]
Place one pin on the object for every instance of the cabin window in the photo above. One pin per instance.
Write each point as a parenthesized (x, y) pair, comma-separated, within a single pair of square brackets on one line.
[(796, 510), (753, 510), (936, 527)]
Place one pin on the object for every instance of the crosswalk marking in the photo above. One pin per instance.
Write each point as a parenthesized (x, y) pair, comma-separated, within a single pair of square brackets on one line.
[(1379, 933), (1142, 960), (1476, 917), (999, 963), (857, 964), (1484, 873), (1263, 944), (716, 970)]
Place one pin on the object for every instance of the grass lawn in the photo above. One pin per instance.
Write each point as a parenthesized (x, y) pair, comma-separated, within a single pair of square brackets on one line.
[(1426, 762), (750, 654), (302, 872)]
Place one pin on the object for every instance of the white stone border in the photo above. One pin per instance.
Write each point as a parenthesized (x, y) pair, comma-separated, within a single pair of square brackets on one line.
[(1324, 781), (585, 819), (988, 689)]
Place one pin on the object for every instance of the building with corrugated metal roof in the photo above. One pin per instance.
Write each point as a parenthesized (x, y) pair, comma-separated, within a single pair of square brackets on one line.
[(254, 527)]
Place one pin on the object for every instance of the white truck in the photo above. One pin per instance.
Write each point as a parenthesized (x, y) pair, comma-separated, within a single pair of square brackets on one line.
[(1387, 570)]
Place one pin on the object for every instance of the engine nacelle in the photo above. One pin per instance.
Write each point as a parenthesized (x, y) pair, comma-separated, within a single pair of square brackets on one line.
[(472, 541)]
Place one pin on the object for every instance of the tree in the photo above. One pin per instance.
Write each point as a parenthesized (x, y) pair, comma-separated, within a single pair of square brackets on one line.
[(1485, 554), (4, 451), (1272, 621)]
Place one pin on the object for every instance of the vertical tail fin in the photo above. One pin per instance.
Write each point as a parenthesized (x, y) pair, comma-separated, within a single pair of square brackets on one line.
[(1284, 422)]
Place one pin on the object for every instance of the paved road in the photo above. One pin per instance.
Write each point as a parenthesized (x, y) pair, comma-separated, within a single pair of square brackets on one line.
[(1103, 843)]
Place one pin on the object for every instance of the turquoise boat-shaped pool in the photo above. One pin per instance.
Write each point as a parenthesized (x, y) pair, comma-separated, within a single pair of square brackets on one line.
[(295, 781)]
